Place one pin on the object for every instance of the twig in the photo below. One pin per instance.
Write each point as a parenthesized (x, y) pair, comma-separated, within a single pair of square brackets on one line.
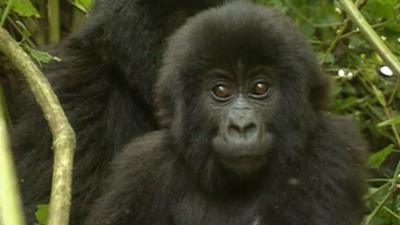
[(372, 37), (392, 191), (391, 212), (395, 89), (5, 13), (393, 126), (378, 25), (388, 114), (63, 135), (342, 29), (369, 218), (381, 188)]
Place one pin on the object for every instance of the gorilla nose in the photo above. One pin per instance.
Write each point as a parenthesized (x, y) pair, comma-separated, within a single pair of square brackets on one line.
[(242, 129)]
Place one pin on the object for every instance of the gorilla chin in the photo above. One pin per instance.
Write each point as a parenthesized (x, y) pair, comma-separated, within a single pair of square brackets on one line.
[(241, 156)]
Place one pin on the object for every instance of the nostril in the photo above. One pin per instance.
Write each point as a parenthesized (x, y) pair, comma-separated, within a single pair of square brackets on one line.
[(234, 131), (234, 128), (250, 130), (246, 131)]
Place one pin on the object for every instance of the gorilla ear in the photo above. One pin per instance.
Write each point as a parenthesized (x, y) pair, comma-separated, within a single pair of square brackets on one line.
[(320, 93)]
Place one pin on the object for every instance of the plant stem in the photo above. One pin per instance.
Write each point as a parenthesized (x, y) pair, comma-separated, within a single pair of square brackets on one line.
[(372, 37), (63, 135), (5, 13), (53, 18)]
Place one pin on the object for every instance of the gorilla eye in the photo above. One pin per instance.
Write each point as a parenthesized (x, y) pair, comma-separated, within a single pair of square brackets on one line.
[(221, 91), (260, 89)]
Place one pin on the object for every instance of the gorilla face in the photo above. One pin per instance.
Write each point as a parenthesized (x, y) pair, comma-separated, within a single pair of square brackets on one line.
[(241, 101), (239, 91)]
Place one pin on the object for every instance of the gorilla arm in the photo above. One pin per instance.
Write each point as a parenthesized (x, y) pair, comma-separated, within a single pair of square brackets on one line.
[(132, 193)]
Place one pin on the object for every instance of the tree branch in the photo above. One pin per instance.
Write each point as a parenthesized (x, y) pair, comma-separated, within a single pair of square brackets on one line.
[(63, 135)]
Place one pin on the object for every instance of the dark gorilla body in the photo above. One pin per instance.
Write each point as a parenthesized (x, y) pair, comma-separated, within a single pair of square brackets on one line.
[(248, 142), (104, 83)]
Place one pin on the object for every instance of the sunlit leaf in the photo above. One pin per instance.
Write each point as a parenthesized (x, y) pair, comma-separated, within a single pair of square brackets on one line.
[(392, 121), (342, 104), (379, 95), (40, 56), (375, 160), (41, 214), (84, 3), (22, 7)]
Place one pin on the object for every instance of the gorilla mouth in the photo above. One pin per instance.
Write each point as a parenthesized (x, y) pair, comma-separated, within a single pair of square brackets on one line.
[(242, 150), (242, 157), (242, 164)]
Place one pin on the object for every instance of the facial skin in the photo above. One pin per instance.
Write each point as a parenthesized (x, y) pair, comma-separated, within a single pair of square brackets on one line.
[(241, 99)]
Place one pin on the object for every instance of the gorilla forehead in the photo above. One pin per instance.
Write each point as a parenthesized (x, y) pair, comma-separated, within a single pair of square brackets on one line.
[(238, 32)]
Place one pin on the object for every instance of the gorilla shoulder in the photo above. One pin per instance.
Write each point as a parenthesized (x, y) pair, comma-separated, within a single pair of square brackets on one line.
[(142, 153), (341, 134)]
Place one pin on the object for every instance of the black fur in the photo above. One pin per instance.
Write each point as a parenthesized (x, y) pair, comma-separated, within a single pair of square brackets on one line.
[(104, 83), (313, 171)]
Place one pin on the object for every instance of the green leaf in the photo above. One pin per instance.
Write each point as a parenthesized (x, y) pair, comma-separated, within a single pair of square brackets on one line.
[(357, 42), (41, 57), (307, 28), (379, 95), (375, 160), (326, 57), (41, 214), (380, 8), (83, 3), (392, 121), (342, 104), (23, 8)]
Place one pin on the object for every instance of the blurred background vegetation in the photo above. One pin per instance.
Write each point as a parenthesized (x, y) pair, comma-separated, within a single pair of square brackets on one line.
[(364, 88)]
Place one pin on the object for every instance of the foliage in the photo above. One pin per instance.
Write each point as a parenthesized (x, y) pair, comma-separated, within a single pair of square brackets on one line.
[(364, 88), (41, 214), (22, 7)]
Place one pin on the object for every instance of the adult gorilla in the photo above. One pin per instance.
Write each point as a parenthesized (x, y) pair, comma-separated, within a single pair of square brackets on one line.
[(104, 83), (248, 143)]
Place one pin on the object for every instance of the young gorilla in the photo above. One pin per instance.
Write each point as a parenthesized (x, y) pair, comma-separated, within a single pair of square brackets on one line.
[(248, 143), (104, 83)]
